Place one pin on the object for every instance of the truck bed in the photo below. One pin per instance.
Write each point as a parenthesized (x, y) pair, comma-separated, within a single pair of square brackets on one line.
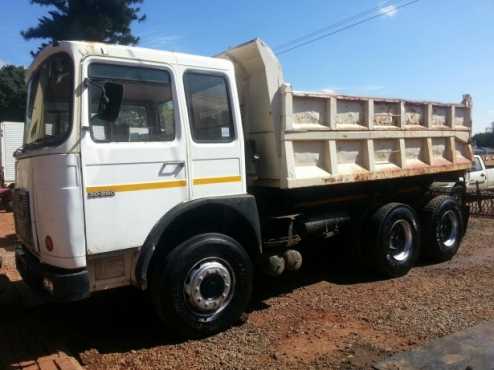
[(300, 139)]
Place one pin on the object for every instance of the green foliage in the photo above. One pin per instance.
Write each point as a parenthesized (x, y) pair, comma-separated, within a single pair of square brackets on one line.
[(485, 139), (88, 20), (12, 93)]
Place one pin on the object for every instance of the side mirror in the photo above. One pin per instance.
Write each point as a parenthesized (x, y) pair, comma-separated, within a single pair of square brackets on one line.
[(110, 101)]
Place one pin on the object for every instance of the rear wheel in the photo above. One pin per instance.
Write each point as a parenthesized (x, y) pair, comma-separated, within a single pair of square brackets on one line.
[(444, 228), (394, 239), (203, 286)]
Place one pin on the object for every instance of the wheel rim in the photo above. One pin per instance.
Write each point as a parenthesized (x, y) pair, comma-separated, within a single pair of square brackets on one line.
[(208, 288), (449, 229), (401, 240)]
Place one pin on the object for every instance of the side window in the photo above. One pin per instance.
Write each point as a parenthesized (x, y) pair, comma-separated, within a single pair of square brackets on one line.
[(208, 102), (147, 110)]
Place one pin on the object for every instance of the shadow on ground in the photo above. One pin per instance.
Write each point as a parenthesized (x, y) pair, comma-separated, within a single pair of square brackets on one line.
[(123, 320)]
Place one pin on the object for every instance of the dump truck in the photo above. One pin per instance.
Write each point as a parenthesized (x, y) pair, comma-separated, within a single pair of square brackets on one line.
[(184, 175)]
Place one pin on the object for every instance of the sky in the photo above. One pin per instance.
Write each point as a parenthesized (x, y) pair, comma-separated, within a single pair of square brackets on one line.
[(431, 50)]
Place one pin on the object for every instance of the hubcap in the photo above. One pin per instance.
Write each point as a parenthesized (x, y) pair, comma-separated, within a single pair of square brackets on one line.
[(449, 228), (209, 287), (401, 240)]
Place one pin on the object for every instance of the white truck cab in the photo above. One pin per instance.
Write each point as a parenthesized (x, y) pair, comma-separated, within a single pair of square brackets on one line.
[(480, 177), (135, 171), (85, 183)]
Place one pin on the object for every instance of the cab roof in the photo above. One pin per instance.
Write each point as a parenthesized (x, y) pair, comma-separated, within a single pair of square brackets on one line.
[(82, 49)]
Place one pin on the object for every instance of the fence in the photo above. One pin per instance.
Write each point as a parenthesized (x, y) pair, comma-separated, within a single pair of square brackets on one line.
[(481, 203)]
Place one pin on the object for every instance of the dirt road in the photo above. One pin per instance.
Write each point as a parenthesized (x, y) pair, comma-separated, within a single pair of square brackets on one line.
[(330, 315)]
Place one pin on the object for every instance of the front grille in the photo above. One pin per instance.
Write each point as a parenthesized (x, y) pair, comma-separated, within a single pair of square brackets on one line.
[(22, 217)]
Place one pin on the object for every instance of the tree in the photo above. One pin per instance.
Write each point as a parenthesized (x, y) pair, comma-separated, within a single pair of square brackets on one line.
[(12, 93), (88, 20), (485, 139)]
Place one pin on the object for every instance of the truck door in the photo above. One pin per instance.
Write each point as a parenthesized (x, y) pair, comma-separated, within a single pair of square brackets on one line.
[(134, 165), (489, 171), (477, 175), (216, 138)]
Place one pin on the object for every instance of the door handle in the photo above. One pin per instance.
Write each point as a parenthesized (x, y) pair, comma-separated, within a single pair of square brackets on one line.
[(176, 163), (177, 167)]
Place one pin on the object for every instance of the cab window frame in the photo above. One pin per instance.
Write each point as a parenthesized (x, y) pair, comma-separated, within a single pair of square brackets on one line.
[(233, 137), (177, 130), (30, 104), (477, 165)]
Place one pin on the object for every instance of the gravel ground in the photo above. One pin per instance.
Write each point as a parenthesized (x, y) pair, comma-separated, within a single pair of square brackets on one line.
[(330, 315), (7, 239)]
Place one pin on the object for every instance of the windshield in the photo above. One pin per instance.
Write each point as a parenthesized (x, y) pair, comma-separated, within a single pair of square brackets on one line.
[(147, 111), (50, 99)]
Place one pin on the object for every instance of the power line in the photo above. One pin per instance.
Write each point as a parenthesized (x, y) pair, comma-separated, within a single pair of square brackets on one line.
[(344, 28), (341, 29), (334, 25)]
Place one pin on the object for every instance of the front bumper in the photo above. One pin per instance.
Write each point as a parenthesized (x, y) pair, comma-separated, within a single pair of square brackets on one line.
[(58, 284)]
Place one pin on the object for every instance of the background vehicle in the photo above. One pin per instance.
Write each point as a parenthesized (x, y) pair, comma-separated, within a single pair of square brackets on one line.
[(10, 139), (182, 174), (480, 177)]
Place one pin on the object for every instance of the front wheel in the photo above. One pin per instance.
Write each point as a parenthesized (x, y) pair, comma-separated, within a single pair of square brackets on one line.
[(203, 286)]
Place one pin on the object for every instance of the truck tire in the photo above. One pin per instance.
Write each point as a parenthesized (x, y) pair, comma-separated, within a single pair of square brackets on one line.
[(394, 239), (444, 227), (203, 285)]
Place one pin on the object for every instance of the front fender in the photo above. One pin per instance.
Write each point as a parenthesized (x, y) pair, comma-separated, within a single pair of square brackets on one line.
[(244, 206)]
